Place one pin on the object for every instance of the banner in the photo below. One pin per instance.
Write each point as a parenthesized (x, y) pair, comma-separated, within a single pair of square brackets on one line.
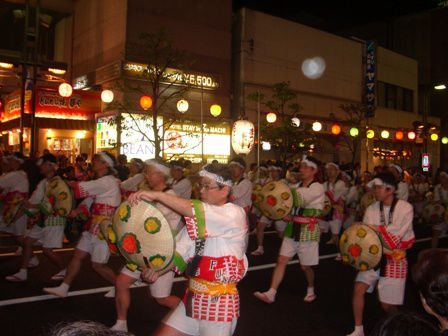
[(370, 79)]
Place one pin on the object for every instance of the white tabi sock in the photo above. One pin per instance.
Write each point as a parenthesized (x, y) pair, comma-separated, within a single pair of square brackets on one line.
[(310, 291), (120, 325), (271, 293)]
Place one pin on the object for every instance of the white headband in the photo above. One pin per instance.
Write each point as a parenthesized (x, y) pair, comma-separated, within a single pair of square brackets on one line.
[(378, 182), (262, 168), (106, 158), (175, 166), (40, 161), (347, 175), (397, 167), (332, 164), (237, 164), (218, 179), (160, 167), (308, 163), (275, 168)]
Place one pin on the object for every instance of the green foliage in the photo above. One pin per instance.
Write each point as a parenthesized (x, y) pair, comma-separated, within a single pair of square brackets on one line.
[(286, 139)]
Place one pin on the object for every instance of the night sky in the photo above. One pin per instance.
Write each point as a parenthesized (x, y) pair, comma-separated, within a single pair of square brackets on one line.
[(339, 14)]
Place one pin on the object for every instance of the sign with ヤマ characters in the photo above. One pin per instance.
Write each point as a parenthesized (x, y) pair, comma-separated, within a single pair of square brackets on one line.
[(172, 76), (370, 79)]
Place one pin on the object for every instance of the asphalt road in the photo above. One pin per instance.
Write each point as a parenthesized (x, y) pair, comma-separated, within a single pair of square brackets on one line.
[(26, 310)]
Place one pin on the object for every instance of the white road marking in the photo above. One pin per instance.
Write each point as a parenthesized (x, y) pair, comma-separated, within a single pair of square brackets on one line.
[(178, 279)]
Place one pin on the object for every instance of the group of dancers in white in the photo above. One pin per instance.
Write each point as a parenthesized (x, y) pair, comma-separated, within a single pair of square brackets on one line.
[(209, 214)]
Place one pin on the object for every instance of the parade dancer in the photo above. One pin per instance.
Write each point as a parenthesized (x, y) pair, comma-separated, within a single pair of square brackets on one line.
[(418, 190), (351, 200), (136, 181), (301, 234), (242, 187), (392, 219), (213, 245), (50, 231), (440, 196), (275, 173), (14, 188), (336, 191), (180, 184), (105, 192), (156, 174), (403, 187)]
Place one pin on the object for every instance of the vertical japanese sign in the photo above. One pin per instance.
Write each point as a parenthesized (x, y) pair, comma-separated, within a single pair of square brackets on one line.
[(370, 78)]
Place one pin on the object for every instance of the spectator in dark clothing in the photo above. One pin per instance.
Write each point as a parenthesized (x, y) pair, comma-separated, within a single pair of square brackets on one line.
[(122, 168)]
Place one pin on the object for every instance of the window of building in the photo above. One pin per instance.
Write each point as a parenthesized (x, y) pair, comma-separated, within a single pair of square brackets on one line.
[(395, 97)]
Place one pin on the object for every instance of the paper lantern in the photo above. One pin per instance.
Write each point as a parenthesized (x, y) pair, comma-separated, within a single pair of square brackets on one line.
[(411, 135), (266, 146), (107, 96), (145, 102), (434, 137), (271, 117), (243, 136), (295, 122), (215, 110), (354, 132), (385, 134), (335, 129), (445, 140), (370, 134), (399, 135), (182, 106), (317, 126), (65, 90)]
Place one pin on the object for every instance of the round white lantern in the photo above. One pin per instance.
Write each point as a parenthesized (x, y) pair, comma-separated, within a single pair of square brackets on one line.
[(107, 96), (182, 106), (243, 136), (266, 146), (65, 90), (295, 122)]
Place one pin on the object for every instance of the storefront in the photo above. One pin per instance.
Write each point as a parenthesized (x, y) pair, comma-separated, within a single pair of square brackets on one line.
[(63, 125), (181, 139)]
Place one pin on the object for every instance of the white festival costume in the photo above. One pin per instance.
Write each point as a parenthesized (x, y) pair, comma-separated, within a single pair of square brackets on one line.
[(242, 194), (213, 244)]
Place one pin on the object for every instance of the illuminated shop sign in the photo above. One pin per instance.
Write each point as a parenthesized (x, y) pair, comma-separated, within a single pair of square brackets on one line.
[(206, 81)]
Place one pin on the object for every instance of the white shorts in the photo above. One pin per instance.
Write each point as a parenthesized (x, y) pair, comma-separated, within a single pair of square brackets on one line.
[(17, 228), (179, 320), (441, 227), (159, 289), (334, 226), (279, 224), (50, 236), (307, 252), (97, 248), (390, 290)]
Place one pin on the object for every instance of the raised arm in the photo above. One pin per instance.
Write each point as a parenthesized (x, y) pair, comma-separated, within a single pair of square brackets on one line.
[(178, 204)]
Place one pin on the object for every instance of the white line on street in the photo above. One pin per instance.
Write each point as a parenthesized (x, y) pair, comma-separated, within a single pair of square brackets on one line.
[(178, 279)]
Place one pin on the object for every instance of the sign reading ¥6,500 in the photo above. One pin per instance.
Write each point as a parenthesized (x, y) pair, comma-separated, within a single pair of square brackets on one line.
[(136, 70)]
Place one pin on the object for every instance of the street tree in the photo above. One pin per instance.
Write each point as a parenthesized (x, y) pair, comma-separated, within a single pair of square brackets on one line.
[(286, 139)]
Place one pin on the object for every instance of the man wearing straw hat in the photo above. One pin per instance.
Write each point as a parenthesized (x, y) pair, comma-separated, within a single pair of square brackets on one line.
[(156, 174), (106, 195), (301, 233), (50, 233), (212, 246), (392, 219)]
